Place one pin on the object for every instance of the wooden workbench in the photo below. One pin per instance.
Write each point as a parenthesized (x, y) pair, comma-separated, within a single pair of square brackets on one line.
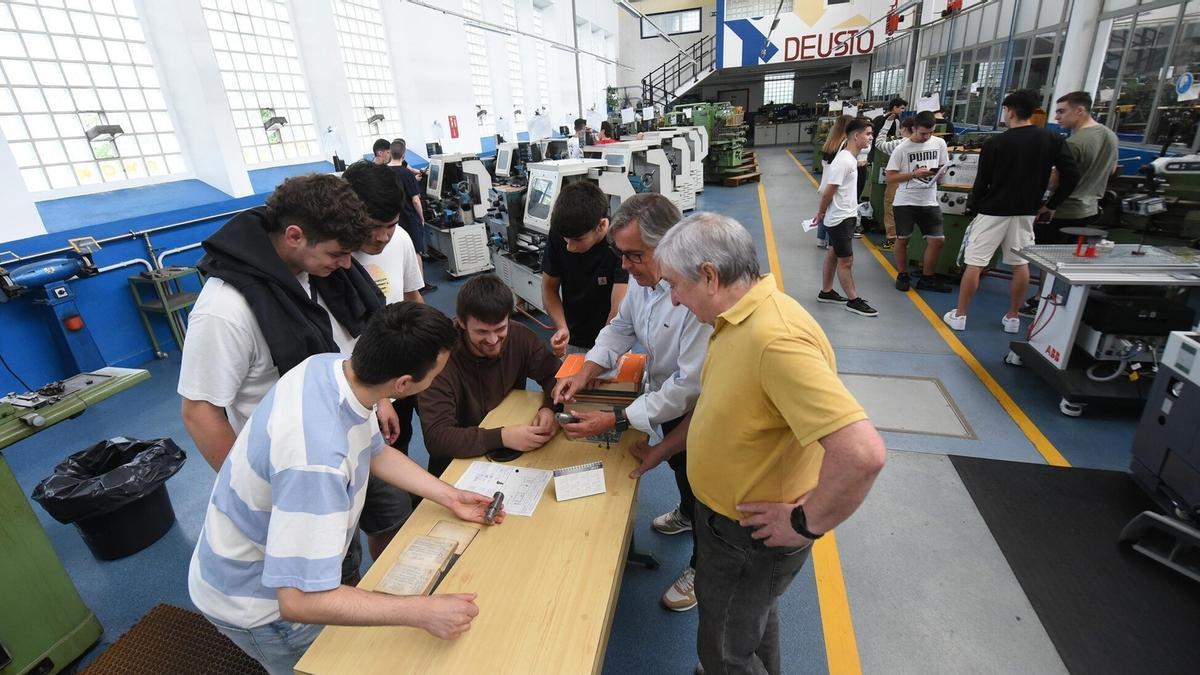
[(547, 584)]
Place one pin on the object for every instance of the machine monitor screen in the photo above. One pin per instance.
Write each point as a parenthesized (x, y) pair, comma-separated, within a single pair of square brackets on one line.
[(541, 197), (615, 160), (435, 178), (503, 161)]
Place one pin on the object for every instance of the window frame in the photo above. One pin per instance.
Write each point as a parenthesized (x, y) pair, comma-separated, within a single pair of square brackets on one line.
[(699, 11)]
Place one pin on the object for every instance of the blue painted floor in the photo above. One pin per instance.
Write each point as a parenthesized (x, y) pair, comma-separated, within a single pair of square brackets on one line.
[(646, 638)]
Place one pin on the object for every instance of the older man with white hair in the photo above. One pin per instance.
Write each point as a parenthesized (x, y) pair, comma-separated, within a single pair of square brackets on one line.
[(779, 452)]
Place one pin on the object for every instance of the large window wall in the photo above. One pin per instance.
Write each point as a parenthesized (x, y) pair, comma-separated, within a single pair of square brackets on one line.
[(963, 59), (368, 73), (69, 74), (1146, 48), (889, 67)]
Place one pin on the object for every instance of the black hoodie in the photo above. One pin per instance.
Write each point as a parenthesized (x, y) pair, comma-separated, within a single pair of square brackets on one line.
[(294, 325)]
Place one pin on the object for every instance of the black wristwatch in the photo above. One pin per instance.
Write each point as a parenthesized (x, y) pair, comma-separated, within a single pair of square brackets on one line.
[(800, 524), (622, 420)]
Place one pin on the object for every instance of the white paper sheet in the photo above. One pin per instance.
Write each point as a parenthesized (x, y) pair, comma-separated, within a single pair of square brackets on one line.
[(809, 225), (648, 113), (873, 113), (579, 481), (835, 106), (931, 103), (628, 115), (522, 487), (851, 110)]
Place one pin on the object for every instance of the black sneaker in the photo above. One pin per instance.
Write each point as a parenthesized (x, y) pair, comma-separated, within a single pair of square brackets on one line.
[(831, 296), (901, 282), (428, 288), (858, 232), (861, 308), (1027, 310), (933, 284)]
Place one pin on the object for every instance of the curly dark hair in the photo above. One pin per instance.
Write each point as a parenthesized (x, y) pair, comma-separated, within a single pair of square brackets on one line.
[(322, 205)]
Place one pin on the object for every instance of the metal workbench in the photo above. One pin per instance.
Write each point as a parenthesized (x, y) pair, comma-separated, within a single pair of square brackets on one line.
[(1067, 282)]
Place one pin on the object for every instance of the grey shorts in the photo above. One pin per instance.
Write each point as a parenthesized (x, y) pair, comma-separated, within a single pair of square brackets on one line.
[(928, 218)]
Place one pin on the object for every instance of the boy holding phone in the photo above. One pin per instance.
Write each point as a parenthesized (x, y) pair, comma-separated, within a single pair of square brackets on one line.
[(913, 167)]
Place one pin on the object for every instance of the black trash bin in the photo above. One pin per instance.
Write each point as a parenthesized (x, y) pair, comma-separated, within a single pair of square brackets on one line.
[(115, 493)]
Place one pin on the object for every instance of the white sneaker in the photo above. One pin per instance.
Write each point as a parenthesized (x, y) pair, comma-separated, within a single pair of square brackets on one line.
[(955, 321), (1011, 324), (681, 596), (672, 522)]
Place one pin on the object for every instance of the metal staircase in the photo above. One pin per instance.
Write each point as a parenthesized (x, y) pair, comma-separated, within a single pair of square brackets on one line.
[(666, 83)]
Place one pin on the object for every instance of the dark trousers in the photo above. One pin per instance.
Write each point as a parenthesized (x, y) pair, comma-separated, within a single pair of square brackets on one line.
[(738, 584), (687, 500)]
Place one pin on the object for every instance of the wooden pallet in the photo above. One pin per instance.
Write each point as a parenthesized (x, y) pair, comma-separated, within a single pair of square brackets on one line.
[(734, 181)]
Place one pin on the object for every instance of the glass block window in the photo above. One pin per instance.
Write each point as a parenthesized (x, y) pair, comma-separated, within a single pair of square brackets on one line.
[(749, 9), (481, 80), (368, 71), (539, 55), (70, 70), (779, 88), (512, 48), (256, 54)]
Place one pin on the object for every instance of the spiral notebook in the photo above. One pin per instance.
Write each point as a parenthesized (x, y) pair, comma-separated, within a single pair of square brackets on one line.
[(583, 480)]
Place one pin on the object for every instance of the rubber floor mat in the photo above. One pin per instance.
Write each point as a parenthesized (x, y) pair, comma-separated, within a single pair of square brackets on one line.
[(176, 641)]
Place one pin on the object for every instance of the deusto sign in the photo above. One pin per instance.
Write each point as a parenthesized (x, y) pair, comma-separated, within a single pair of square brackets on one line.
[(811, 31)]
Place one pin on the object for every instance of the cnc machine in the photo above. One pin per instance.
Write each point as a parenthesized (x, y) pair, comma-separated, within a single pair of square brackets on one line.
[(456, 195), (674, 144), (644, 165)]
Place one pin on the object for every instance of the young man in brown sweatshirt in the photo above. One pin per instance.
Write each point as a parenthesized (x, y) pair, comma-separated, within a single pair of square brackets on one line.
[(493, 357)]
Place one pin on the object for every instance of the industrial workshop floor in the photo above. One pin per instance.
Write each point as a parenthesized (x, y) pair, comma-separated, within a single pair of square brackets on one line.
[(915, 581)]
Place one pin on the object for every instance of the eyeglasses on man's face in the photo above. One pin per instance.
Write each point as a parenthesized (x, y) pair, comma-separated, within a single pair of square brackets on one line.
[(634, 257)]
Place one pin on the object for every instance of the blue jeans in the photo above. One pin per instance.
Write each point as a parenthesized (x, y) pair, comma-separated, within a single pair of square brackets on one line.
[(821, 231), (277, 645)]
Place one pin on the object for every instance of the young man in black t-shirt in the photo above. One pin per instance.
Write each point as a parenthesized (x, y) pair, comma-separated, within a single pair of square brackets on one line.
[(579, 265), (412, 213)]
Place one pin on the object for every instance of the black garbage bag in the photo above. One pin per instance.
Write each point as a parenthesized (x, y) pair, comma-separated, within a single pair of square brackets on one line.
[(107, 476)]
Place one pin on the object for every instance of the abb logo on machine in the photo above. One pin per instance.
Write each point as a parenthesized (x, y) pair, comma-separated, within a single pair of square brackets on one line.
[(1054, 354), (825, 45)]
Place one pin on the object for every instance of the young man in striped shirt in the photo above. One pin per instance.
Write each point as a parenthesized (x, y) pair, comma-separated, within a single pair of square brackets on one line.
[(267, 568)]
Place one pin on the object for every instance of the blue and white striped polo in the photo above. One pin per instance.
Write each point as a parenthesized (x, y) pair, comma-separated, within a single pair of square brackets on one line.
[(288, 497)]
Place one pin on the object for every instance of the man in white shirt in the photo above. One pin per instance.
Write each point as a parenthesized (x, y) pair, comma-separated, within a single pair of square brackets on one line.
[(263, 268), (675, 342), (912, 168), (838, 210)]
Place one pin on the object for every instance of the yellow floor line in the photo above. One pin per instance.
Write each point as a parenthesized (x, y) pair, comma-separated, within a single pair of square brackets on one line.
[(1042, 444), (841, 646)]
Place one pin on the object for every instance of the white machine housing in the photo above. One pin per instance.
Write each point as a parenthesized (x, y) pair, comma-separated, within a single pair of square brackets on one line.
[(1182, 354), (966, 166), (506, 154), (473, 171), (675, 145), (644, 159), (465, 246), (546, 180)]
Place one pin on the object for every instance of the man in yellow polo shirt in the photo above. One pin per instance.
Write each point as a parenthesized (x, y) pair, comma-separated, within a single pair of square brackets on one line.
[(778, 451)]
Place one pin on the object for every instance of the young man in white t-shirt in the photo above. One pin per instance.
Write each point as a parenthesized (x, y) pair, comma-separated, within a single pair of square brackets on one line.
[(261, 264), (912, 168), (838, 210)]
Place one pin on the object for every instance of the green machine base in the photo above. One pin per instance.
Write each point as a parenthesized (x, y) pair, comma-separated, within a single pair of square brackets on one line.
[(45, 625), (23, 415), (955, 227)]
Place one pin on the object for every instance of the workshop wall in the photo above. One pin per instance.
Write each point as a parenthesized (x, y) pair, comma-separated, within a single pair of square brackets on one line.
[(646, 54)]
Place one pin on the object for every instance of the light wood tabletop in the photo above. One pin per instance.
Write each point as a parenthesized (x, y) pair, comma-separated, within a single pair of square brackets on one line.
[(547, 585)]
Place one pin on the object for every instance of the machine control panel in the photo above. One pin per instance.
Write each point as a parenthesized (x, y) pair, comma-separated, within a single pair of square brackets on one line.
[(963, 169), (952, 203)]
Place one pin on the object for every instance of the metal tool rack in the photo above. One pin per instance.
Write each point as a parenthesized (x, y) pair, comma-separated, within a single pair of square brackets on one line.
[(1065, 289)]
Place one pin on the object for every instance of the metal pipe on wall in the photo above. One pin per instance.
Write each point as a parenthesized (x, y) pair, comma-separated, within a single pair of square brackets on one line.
[(173, 251), (126, 263), (132, 234)]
